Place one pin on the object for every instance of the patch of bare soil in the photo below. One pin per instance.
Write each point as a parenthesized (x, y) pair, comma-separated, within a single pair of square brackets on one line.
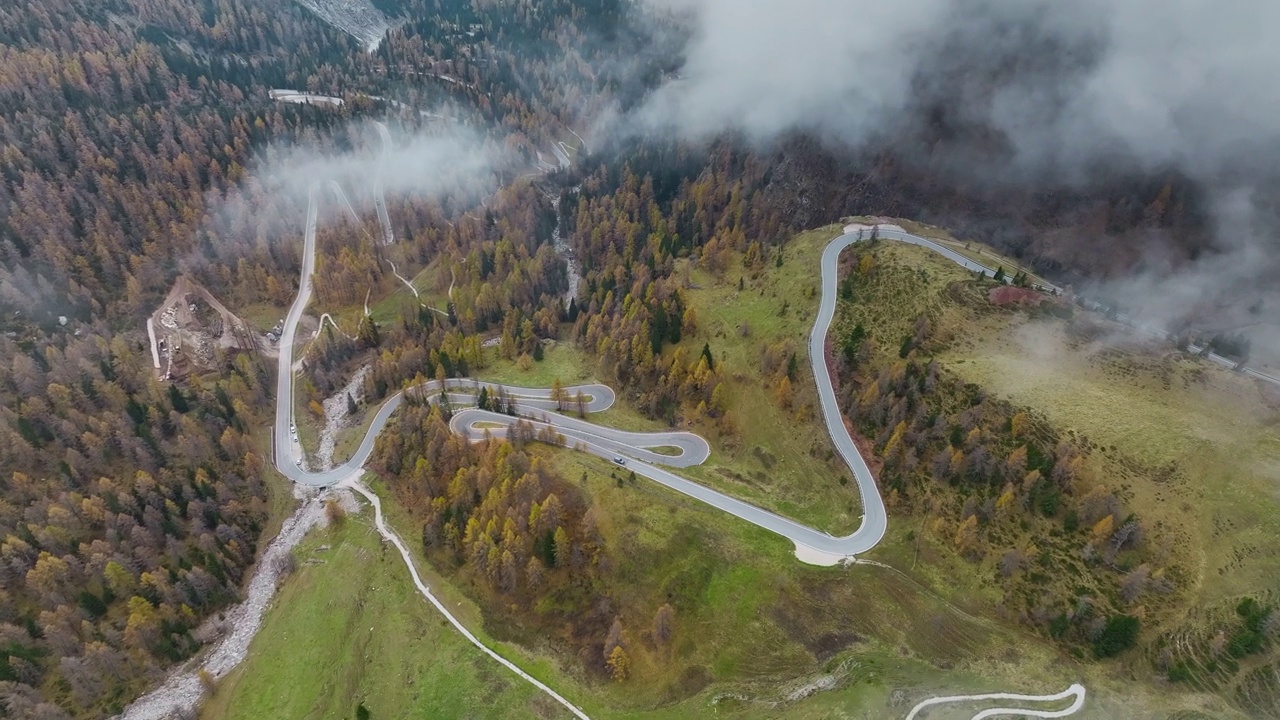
[(1009, 295)]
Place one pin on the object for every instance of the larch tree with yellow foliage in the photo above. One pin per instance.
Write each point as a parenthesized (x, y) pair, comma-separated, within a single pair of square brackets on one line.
[(619, 664), (1103, 529), (966, 537)]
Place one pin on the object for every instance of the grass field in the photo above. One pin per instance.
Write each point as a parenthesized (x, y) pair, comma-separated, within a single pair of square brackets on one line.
[(349, 627), (262, 316), (782, 460), (976, 251), (1192, 447), (753, 629)]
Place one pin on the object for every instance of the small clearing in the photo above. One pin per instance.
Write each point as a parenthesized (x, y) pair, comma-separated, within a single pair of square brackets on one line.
[(189, 329)]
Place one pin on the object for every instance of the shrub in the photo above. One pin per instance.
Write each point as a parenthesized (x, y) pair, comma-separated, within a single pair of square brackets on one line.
[(334, 512)]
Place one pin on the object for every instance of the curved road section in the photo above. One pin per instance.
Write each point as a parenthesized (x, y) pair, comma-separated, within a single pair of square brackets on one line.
[(1076, 692)]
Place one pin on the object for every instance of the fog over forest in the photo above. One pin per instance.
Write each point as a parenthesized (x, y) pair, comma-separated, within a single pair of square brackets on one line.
[(1071, 93)]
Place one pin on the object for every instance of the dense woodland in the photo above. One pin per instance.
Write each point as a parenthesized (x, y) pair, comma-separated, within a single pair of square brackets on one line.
[(130, 133), (521, 534), (131, 509)]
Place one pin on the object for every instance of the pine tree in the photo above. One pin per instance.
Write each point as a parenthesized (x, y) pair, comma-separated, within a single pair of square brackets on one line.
[(706, 354), (178, 400), (561, 546), (369, 336)]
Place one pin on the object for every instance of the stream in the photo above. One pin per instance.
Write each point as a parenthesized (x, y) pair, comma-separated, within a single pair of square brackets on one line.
[(563, 249)]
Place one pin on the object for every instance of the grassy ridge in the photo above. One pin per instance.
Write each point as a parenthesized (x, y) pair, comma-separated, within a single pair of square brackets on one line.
[(1193, 449), (782, 459)]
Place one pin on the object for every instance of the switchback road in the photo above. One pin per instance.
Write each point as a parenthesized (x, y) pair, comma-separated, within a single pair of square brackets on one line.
[(634, 451)]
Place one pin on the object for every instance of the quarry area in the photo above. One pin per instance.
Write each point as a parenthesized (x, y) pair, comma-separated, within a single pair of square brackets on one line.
[(192, 332)]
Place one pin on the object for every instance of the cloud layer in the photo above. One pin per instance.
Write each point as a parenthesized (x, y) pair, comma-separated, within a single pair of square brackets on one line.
[(1177, 81), (1071, 90)]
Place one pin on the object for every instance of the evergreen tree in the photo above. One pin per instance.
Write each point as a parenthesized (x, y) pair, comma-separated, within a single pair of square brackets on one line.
[(706, 354), (369, 336), (178, 400)]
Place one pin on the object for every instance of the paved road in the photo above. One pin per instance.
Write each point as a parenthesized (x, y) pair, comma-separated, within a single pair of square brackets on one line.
[(1076, 692), (602, 441)]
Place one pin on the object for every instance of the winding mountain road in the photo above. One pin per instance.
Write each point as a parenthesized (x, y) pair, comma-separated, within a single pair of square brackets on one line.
[(894, 232), (635, 451)]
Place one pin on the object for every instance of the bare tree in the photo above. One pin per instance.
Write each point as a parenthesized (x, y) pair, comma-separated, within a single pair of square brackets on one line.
[(1011, 562), (1135, 583), (662, 624)]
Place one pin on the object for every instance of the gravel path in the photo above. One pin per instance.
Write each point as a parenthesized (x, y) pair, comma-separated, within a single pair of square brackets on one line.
[(390, 535)]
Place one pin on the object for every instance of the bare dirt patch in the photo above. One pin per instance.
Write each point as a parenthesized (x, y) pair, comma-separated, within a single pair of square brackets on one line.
[(192, 331), (1009, 295)]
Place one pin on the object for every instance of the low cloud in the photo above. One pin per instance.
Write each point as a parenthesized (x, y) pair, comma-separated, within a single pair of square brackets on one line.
[(424, 165), (1071, 91), (1177, 81)]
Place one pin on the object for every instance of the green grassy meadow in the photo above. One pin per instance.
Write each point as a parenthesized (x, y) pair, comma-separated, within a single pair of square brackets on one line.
[(781, 459)]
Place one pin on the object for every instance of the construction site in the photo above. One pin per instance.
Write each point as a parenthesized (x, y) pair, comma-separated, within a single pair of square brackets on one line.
[(191, 332)]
